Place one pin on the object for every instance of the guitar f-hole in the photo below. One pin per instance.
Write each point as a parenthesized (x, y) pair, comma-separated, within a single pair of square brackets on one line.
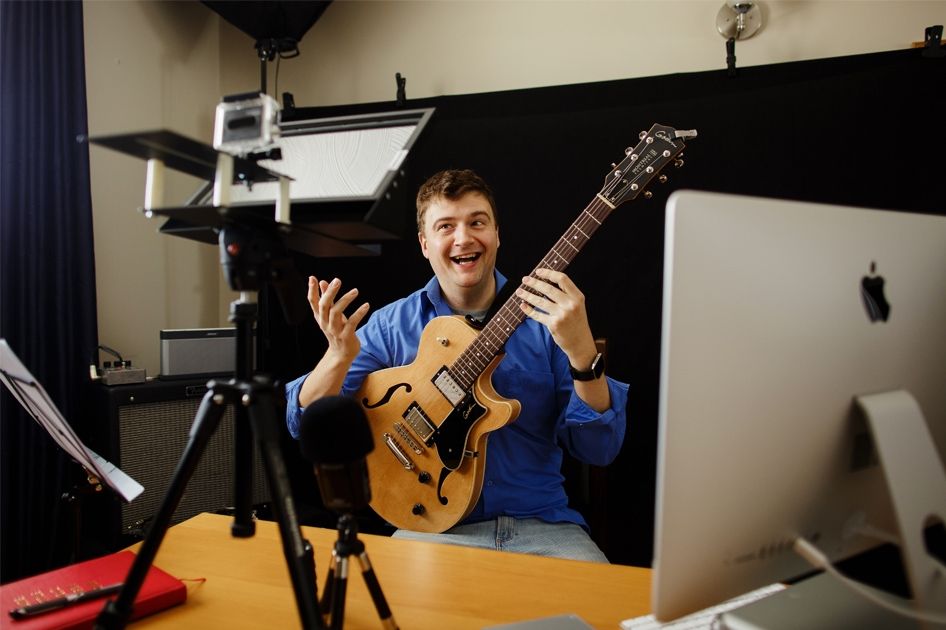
[(387, 396), (443, 475)]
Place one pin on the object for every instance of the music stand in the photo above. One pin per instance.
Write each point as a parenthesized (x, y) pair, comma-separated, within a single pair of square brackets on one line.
[(98, 471)]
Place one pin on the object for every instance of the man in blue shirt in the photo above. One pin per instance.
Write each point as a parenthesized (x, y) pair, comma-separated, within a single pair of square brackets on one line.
[(551, 367)]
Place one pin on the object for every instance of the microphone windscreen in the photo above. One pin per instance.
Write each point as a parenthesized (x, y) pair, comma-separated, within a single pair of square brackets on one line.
[(334, 430)]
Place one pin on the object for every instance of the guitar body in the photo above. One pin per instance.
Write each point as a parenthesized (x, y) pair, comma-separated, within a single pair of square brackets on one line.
[(426, 469)]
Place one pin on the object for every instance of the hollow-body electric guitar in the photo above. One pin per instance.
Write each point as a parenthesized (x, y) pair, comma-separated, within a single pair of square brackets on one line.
[(431, 419)]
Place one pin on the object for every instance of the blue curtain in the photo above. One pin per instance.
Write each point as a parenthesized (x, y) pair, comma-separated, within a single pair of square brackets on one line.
[(47, 271)]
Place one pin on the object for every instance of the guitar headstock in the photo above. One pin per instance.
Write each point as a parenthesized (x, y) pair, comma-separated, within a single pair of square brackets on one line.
[(658, 147)]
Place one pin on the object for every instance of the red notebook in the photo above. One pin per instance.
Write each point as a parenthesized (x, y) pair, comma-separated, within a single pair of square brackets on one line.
[(158, 592)]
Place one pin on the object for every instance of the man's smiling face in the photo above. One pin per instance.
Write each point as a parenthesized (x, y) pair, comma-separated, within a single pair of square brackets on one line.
[(460, 239)]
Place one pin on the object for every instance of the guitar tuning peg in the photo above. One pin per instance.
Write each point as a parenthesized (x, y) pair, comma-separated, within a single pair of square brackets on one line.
[(662, 179), (628, 150), (678, 163), (614, 165), (642, 135), (648, 194)]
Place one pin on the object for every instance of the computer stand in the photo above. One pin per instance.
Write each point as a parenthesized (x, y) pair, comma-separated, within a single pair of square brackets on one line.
[(254, 400), (333, 598), (917, 485)]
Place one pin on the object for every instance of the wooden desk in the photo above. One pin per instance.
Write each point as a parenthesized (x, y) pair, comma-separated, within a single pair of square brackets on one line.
[(427, 585)]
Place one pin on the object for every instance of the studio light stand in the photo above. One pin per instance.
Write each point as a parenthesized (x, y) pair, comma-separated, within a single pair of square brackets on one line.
[(253, 256), (250, 261), (255, 236)]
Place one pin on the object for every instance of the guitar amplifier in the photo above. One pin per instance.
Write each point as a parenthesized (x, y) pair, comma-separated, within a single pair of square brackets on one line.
[(148, 427)]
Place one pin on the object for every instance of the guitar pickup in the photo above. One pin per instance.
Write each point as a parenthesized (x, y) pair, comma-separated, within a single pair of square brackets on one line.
[(419, 422), (445, 382)]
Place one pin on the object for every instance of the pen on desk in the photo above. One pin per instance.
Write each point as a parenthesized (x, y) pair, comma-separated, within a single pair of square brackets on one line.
[(62, 602)]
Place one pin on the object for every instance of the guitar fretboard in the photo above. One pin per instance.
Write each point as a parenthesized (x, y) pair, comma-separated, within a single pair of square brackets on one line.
[(490, 341)]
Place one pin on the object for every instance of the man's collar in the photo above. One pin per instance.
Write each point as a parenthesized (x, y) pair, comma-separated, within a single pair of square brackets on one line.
[(435, 295)]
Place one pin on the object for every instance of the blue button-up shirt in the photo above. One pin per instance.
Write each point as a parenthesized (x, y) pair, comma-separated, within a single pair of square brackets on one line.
[(523, 475)]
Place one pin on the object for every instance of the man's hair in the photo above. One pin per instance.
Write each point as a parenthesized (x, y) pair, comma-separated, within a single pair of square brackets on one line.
[(451, 184)]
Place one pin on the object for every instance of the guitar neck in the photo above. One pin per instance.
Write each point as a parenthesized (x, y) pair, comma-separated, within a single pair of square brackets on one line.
[(489, 343)]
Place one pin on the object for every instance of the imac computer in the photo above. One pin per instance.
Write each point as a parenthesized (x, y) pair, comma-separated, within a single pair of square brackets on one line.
[(802, 405)]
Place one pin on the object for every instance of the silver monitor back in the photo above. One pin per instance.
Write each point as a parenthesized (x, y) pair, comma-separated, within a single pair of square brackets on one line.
[(766, 340)]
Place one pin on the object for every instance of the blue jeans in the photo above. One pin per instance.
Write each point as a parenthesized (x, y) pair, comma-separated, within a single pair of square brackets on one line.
[(528, 535)]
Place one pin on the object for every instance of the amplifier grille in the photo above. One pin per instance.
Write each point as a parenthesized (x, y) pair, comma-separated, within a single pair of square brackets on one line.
[(152, 438)]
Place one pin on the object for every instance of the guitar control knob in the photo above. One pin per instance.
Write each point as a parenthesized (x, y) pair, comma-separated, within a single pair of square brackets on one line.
[(418, 509), (423, 477)]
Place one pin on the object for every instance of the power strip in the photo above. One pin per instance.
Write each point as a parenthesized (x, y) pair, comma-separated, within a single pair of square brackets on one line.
[(123, 376)]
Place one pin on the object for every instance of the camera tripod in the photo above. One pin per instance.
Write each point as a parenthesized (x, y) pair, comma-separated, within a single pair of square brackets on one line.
[(250, 259), (333, 598)]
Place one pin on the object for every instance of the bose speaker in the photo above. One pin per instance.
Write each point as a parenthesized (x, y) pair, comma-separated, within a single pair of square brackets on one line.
[(148, 428)]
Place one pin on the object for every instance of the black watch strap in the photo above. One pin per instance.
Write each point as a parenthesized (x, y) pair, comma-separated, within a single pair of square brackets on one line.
[(592, 373)]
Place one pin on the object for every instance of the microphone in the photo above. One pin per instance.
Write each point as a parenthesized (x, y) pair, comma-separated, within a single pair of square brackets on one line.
[(334, 436)]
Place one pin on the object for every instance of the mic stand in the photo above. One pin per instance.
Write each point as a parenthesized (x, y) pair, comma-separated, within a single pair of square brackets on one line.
[(72, 499), (333, 598), (253, 399)]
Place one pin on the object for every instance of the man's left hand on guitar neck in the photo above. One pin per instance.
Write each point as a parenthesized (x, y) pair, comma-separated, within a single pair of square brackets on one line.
[(561, 309)]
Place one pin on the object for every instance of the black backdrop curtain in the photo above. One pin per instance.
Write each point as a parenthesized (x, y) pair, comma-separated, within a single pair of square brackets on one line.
[(865, 130), (47, 304)]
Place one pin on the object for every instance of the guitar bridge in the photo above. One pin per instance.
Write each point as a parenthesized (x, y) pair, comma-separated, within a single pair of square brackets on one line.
[(406, 436)]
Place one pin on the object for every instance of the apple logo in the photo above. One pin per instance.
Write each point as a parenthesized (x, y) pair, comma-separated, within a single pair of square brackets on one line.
[(872, 294)]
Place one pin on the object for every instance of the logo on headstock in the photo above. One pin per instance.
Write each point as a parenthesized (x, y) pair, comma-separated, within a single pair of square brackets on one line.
[(663, 135)]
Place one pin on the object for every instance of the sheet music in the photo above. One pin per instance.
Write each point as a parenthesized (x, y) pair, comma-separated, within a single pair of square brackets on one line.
[(30, 393)]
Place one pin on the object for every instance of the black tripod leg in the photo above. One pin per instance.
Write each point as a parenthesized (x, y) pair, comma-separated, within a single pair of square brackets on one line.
[(325, 605), (243, 313), (298, 552), (243, 525), (377, 595), (116, 613), (338, 593)]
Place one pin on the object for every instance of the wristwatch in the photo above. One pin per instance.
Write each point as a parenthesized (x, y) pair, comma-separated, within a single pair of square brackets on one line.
[(592, 373)]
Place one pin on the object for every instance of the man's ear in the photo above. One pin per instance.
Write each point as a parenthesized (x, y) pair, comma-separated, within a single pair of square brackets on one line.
[(423, 244)]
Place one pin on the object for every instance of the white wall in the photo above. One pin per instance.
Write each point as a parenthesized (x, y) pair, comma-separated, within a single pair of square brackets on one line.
[(166, 64), (442, 47), (149, 65)]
